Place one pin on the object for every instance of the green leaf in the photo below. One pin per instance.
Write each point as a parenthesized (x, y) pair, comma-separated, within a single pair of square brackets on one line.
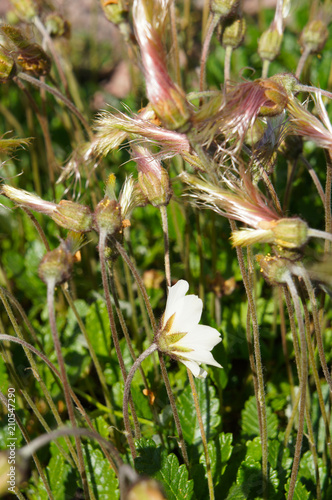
[(154, 462), (250, 425), (57, 473), (278, 456), (101, 478), (300, 492), (220, 452), (209, 406)]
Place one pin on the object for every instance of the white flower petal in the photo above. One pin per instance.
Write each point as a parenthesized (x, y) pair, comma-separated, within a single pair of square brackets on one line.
[(200, 337), (175, 294), (188, 314), (186, 311), (194, 368), (199, 356)]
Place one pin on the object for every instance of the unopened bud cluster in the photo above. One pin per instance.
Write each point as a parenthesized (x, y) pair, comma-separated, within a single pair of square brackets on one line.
[(314, 36), (56, 266), (233, 33), (223, 8), (269, 44)]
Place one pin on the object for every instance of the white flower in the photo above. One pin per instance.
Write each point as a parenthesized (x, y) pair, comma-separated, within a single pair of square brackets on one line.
[(181, 337)]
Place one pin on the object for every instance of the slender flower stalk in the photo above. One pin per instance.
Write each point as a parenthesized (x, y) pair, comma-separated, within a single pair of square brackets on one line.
[(36, 371), (211, 26), (53, 369), (182, 443), (163, 213), (260, 394), (303, 386), (126, 395), (25, 434), (203, 435), (270, 42), (55, 269), (101, 246)]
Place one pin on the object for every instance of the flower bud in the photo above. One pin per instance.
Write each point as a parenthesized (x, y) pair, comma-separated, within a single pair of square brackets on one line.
[(7, 67), (269, 44), (157, 189), (26, 9), (107, 215), (116, 11), (30, 56), (11, 475), (223, 8), (57, 26), (152, 177), (314, 36), (233, 33), (73, 216), (56, 266), (274, 269), (290, 233), (145, 489), (28, 200)]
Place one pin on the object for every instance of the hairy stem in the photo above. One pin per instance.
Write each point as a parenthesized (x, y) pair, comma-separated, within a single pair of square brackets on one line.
[(126, 396), (64, 379), (260, 395), (115, 337), (303, 387), (171, 398), (203, 435)]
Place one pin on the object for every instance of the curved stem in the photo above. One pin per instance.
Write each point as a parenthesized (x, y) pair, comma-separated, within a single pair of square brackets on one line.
[(40, 441), (284, 343), (316, 233), (265, 69), (328, 193), (260, 395), (317, 381), (35, 369), (23, 430), (58, 95), (211, 25), (203, 435), (73, 396), (39, 25), (171, 398), (163, 213), (302, 61), (302, 272), (115, 337), (227, 66), (139, 282), (38, 227), (92, 352), (64, 379), (126, 395), (314, 177), (303, 387)]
